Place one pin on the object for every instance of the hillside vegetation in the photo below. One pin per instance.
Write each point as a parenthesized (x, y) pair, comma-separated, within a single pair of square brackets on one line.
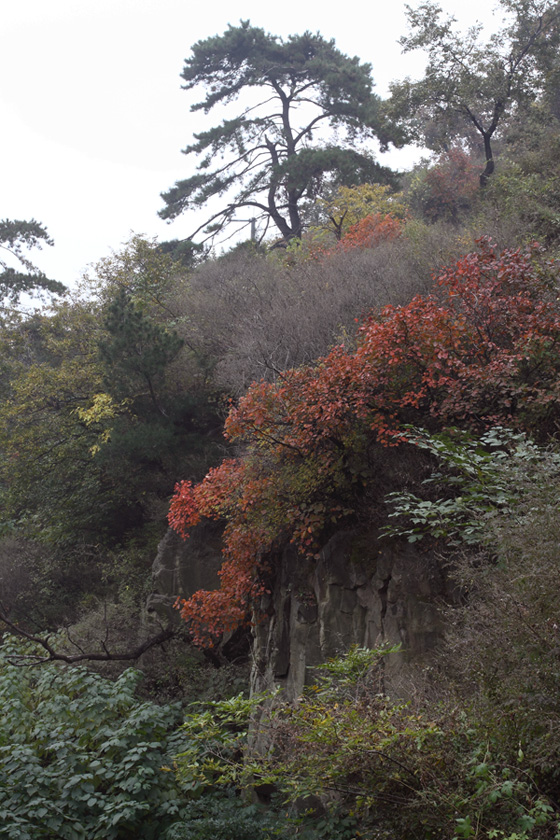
[(396, 362)]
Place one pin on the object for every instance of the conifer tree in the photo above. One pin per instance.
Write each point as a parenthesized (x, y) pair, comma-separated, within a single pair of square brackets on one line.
[(266, 161)]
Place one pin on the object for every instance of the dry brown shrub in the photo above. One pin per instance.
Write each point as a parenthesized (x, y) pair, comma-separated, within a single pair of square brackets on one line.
[(251, 316)]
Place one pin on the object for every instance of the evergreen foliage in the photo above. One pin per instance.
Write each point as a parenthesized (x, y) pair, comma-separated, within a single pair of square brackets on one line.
[(303, 85), (16, 236), (136, 351)]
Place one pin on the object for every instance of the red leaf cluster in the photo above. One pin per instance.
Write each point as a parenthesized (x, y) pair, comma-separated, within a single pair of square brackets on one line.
[(369, 232), (450, 186)]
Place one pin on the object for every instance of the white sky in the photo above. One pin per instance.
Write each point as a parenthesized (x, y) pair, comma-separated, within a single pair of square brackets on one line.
[(94, 118)]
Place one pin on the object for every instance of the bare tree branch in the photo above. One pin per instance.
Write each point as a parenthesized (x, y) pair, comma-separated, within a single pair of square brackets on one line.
[(53, 655)]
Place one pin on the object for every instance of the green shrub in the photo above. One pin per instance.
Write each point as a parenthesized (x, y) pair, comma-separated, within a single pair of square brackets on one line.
[(476, 479), (227, 817), (224, 818), (429, 770), (81, 758)]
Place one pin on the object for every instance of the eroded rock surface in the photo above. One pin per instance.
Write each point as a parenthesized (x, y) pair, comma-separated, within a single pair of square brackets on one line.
[(361, 591)]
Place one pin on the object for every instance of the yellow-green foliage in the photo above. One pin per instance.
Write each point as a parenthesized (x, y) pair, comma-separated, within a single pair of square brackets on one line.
[(349, 205)]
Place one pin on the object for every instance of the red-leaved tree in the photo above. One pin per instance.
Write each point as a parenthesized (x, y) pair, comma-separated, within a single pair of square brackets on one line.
[(447, 189), (482, 349), (369, 232)]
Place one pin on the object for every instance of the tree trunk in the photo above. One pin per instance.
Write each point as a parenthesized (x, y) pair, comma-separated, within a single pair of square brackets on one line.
[(489, 168)]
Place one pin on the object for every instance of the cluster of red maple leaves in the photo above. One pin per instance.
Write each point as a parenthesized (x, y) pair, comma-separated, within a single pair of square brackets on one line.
[(482, 349)]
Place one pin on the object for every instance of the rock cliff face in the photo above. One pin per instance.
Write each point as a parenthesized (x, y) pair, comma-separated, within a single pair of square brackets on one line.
[(361, 590)]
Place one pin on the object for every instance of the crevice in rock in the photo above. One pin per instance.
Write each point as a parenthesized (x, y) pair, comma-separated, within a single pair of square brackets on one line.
[(283, 651), (383, 597)]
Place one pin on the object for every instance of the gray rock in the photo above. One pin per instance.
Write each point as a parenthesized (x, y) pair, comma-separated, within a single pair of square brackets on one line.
[(361, 591)]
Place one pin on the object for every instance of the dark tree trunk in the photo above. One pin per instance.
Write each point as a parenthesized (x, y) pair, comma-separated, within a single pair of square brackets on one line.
[(489, 168)]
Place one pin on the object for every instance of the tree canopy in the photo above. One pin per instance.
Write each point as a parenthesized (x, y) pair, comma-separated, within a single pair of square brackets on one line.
[(88, 395), (267, 154), (471, 87)]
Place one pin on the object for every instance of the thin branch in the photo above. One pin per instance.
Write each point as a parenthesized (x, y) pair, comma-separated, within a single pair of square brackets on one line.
[(53, 655)]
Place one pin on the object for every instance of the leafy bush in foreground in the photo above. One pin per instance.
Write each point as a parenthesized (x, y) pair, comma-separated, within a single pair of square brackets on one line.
[(81, 758), (368, 765), (424, 771), (224, 818)]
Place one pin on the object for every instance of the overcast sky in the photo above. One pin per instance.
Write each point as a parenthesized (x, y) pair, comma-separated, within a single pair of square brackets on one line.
[(94, 118)]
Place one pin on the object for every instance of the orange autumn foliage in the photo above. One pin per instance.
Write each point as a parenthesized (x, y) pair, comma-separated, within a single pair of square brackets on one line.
[(371, 231)]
